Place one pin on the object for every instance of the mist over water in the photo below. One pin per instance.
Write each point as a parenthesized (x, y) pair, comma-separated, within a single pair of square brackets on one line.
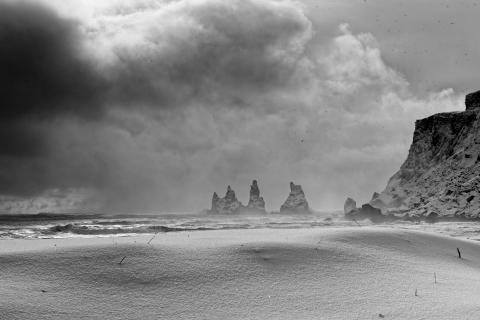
[(47, 226)]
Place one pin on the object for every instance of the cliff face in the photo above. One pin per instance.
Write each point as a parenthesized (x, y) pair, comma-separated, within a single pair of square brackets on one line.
[(441, 173)]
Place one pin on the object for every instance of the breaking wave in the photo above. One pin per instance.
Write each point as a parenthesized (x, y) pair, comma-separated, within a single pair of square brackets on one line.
[(45, 225), (48, 225), (92, 230)]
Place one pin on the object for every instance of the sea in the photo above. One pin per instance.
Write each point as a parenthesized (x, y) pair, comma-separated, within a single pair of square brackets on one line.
[(53, 225)]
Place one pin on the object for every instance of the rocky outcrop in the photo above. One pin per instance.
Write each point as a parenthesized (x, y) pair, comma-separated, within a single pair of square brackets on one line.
[(368, 212), (472, 100), (255, 202), (441, 175), (376, 201), (215, 201), (230, 204), (349, 206), (226, 205), (296, 201)]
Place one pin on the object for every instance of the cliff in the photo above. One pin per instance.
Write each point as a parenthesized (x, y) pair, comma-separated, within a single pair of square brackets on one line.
[(440, 176)]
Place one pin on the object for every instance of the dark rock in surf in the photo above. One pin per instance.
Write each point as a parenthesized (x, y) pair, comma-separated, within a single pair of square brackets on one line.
[(255, 202), (226, 205), (296, 201), (349, 206)]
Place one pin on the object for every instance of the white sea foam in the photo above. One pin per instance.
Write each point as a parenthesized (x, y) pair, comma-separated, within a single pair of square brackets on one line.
[(68, 226)]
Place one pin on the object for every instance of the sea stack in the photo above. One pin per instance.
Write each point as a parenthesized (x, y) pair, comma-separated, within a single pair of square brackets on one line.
[(349, 206), (255, 202), (226, 205), (296, 201), (215, 199)]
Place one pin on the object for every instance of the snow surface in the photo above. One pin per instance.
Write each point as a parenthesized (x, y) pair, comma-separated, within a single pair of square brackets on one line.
[(341, 273)]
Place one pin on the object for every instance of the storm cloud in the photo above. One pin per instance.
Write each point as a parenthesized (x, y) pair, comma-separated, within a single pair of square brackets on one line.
[(43, 76), (153, 105), (43, 71), (184, 52)]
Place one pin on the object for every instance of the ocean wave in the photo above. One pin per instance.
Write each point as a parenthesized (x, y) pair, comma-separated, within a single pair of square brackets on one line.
[(122, 222), (96, 230), (47, 225), (12, 218)]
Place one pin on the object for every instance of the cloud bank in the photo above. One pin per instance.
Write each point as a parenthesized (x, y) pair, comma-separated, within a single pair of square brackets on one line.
[(153, 105)]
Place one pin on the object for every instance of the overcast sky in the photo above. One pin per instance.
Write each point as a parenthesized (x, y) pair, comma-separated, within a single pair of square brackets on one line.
[(152, 105)]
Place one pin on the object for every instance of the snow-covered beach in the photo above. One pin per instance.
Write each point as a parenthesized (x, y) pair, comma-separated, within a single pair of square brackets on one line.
[(315, 273)]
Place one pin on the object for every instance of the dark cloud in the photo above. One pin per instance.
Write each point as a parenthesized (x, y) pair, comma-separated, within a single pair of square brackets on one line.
[(44, 75), (60, 99), (206, 51), (43, 71), (22, 139)]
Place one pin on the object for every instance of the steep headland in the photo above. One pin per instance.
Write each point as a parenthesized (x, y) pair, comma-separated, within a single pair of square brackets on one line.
[(441, 175)]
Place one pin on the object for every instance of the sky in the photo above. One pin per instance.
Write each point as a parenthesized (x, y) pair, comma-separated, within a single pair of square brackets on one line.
[(153, 105)]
